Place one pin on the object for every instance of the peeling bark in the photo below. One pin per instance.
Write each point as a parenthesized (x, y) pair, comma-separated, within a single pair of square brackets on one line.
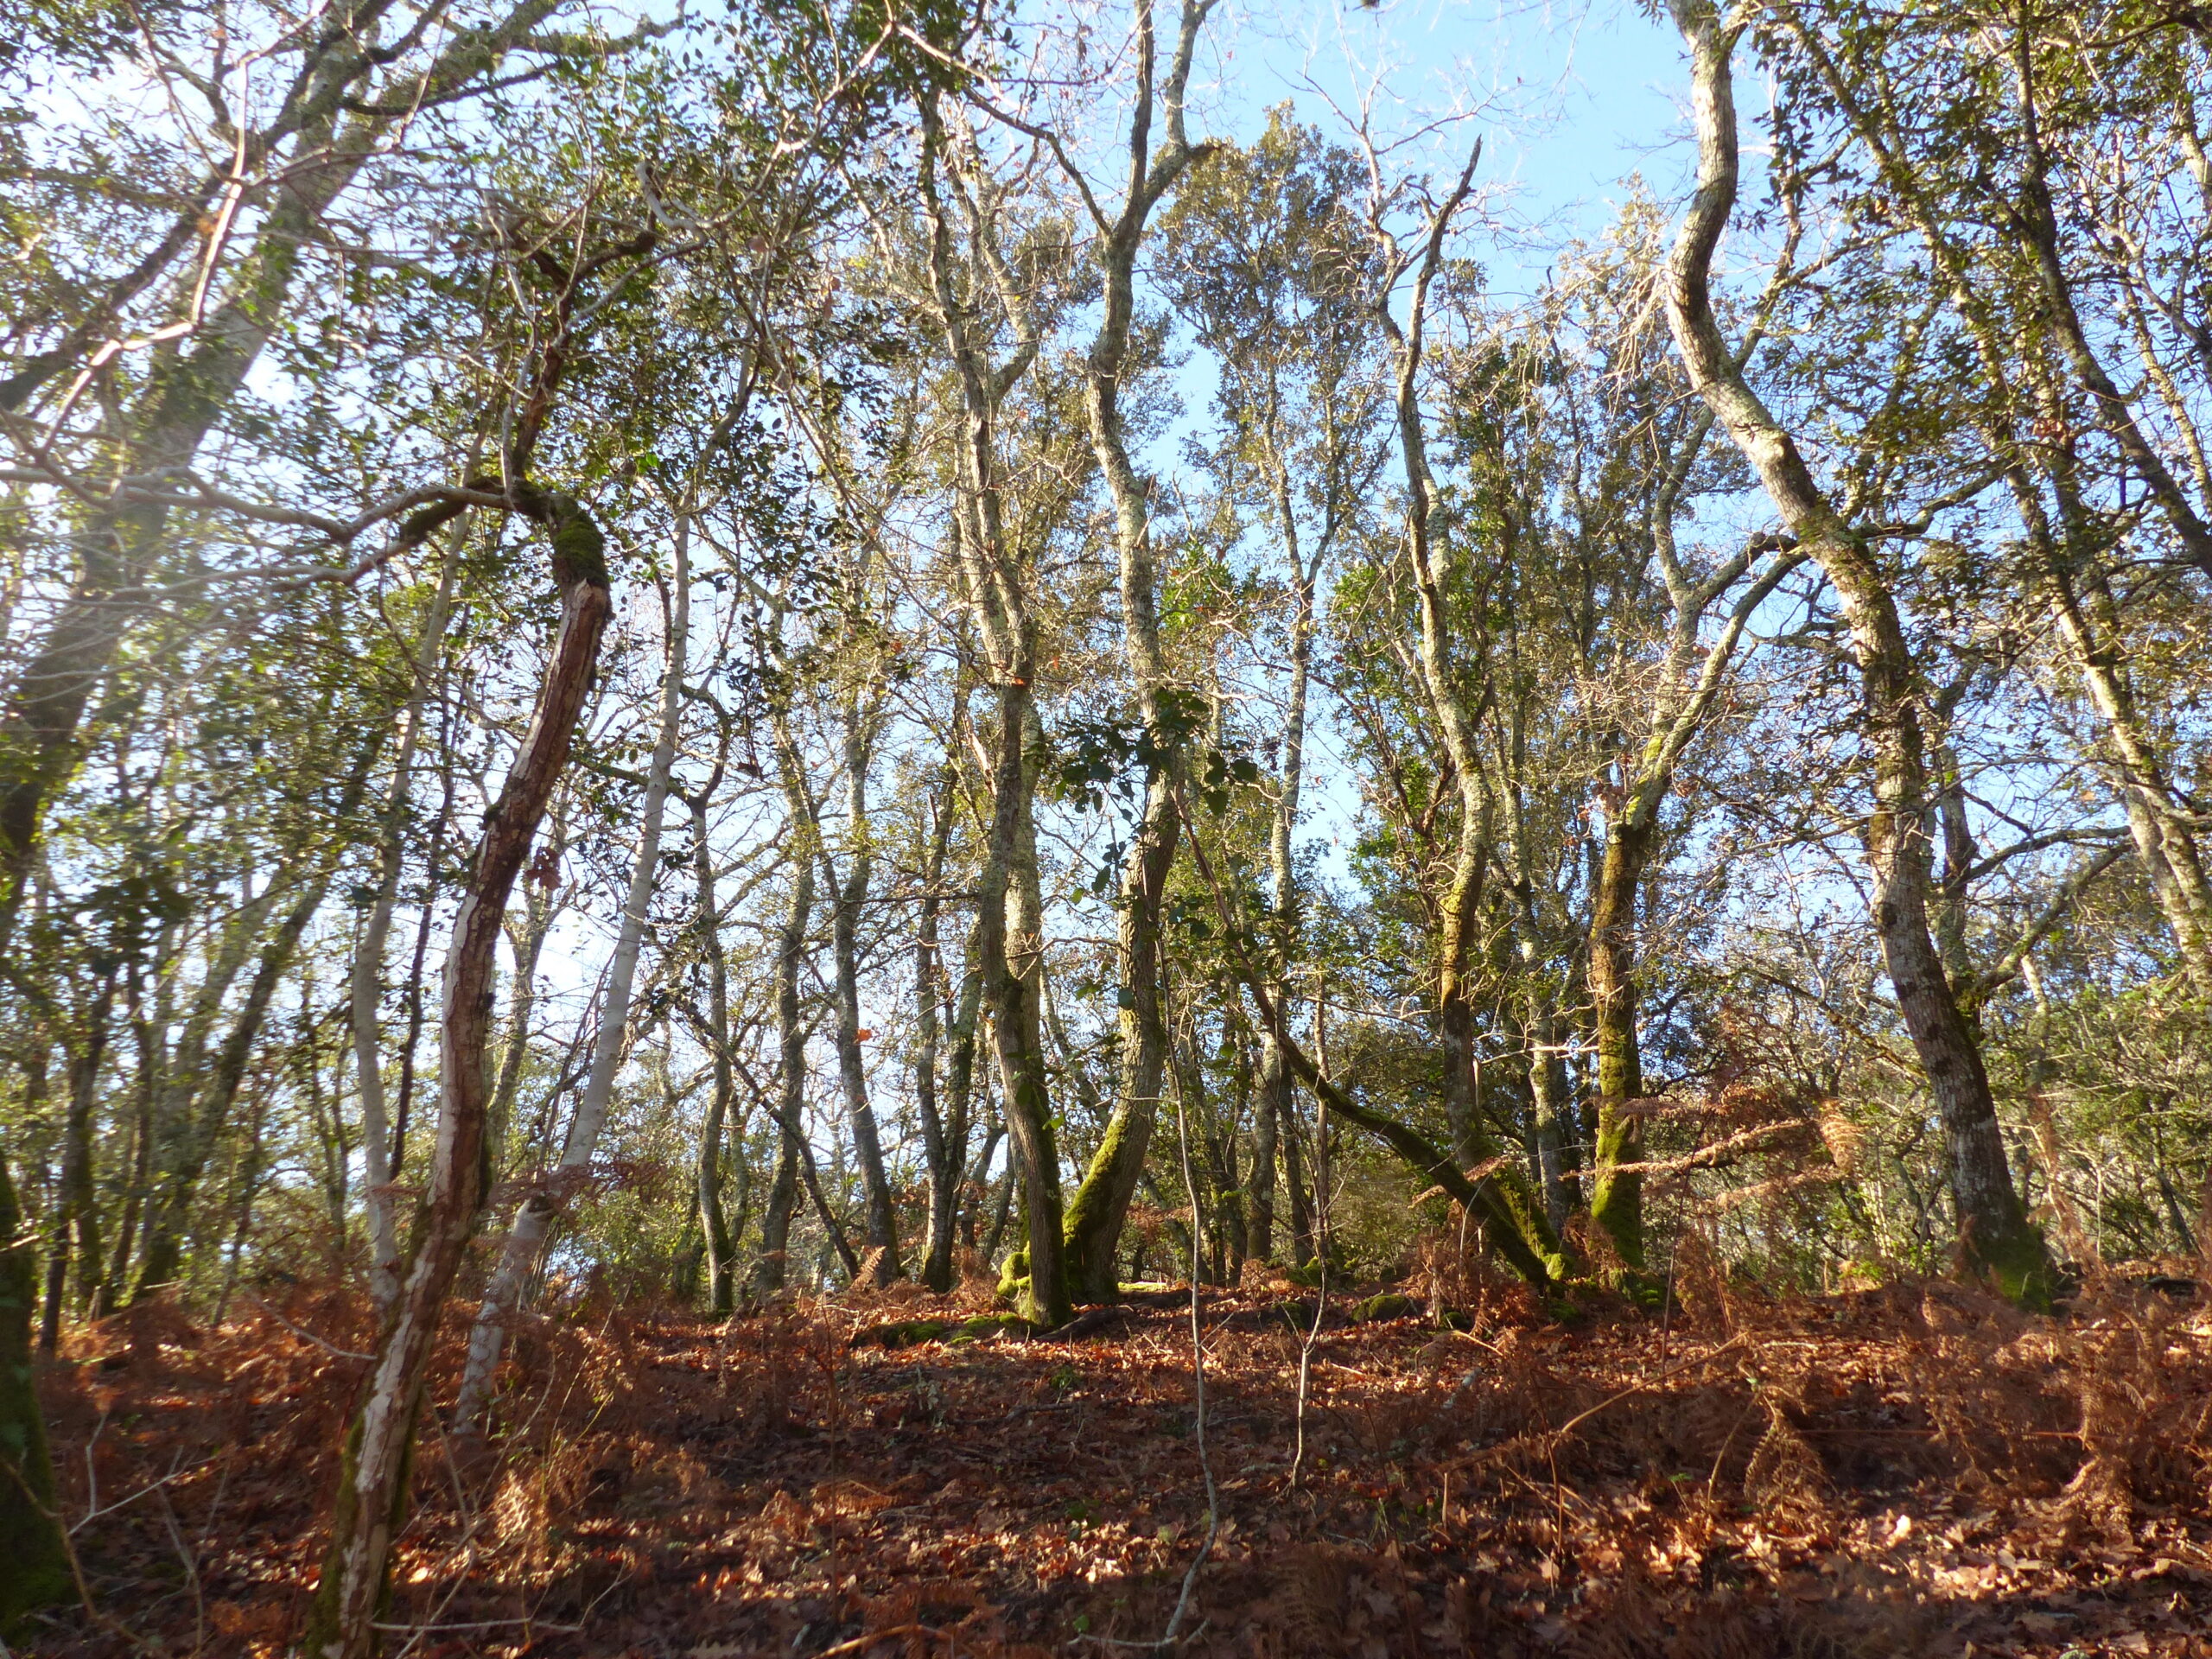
[(371, 1498)]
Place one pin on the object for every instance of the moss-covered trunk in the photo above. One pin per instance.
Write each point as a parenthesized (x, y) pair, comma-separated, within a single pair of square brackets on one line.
[(1616, 1194), (34, 1566)]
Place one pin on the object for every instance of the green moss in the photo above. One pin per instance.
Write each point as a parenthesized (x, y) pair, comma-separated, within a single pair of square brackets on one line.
[(579, 550), (1014, 1278), (1388, 1305), (33, 1570), (2020, 1265)]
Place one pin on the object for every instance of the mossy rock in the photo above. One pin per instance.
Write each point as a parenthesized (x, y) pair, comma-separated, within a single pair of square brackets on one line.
[(907, 1334), (1014, 1277), (1299, 1316), (1308, 1277), (1388, 1305), (991, 1324)]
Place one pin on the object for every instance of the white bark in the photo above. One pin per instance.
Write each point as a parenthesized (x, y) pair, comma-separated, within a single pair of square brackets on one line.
[(368, 956)]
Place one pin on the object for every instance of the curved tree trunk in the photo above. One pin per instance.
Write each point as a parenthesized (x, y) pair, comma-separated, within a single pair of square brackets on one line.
[(372, 1498), (1509, 1200), (534, 1219), (1101, 1205), (1009, 944), (1995, 1235)]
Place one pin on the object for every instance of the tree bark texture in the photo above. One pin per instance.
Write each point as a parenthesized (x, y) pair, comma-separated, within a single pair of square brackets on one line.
[(34, 1565), (1995, 1236), (534, 1217), (371, 1498)]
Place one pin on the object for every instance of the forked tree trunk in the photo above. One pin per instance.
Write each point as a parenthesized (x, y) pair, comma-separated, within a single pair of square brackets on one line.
[(1101, 1205), (371, 1498), (1996, 1237)]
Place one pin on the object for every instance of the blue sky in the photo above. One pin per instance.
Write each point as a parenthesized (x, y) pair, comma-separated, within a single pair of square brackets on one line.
[(1570, 99)]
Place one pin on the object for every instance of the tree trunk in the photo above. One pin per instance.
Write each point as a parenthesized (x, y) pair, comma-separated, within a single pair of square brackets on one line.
[(368, 983), (1100, 1207), (34, 1564), (1995, 1236), (945, 1160), (1291, 1140), (714, 1221), (534, 1218), (1277, 1103), (1511, 1201), (527, 944), (844, 948), (1547, 1092), (1616, 1194), (1009, 943), (372, 1473), (1012, 950), (770, 1272), (76, 1216)]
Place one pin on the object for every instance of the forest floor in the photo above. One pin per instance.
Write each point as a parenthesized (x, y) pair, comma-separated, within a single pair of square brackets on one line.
[(1912, 1471)]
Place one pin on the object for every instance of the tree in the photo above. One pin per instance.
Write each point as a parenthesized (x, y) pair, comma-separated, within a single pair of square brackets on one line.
[(1995, 1233)]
